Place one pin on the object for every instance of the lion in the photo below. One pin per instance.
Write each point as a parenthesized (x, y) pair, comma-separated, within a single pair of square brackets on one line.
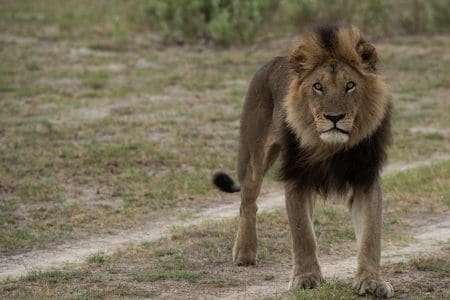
[(325, 110)]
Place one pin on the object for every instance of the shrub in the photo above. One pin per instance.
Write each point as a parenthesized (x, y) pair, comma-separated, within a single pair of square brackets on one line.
[(219, 21), (373, 16)]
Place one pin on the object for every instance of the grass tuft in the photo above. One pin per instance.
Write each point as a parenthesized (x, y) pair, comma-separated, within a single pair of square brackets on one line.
[(433, 264), (96, 80), (157, 275), (97, 258), (335, 289), (53, 276)]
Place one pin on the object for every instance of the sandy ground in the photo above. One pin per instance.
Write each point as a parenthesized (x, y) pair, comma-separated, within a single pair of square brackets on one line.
[(17, 265)]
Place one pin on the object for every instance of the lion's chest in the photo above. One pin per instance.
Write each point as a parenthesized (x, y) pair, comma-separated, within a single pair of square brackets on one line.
[(355, 167)]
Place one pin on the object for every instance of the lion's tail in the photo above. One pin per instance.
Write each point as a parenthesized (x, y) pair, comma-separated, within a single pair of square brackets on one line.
[(225, 183)]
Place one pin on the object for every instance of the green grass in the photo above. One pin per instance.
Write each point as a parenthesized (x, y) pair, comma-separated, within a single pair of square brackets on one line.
[(71, 19), (54, 276), (330, 290), (269, 277), (96, 258), (96, 80), (428, 185), (333, 227)]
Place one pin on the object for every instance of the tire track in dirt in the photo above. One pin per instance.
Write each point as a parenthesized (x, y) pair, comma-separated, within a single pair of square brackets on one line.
[(17, 265)]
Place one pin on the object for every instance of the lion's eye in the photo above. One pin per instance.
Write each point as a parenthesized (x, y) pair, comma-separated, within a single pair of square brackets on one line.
[(318, 87), (350, 86)]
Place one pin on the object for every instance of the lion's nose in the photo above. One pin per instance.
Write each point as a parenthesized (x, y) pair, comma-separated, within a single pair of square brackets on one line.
[(334, 118)]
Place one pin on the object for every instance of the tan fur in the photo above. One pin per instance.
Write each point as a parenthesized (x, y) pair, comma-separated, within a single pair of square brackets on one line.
[(280, 95)]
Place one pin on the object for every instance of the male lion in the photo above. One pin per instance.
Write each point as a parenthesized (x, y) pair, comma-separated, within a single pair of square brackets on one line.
[(326, 110)]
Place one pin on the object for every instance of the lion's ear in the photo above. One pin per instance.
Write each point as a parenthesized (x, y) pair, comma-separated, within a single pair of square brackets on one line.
[(368, 54), (297, 59)]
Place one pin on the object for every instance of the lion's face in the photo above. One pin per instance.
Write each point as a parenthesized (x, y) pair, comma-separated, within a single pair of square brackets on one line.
[(336, 98), (333, 95)]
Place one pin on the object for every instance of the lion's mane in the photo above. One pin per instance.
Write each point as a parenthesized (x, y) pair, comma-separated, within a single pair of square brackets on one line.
[(308, 161)]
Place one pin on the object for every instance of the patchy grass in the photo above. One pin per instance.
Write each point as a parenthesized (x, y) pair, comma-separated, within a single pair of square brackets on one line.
[(54, 276), (212, 242), (331, 290), (102, 127), (433, 264), (419, 85), (423, 189), (333, 227), (198, 257), (96, 80), (420, 278), (52, 21), (423, 277), (157, 275)]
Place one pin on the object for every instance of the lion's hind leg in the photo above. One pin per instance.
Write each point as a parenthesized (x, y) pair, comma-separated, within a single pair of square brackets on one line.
[(257, 151), (245, 245)]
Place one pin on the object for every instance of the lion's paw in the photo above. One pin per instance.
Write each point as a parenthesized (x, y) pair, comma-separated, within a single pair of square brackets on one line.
[(378, 288), (305, 281), (243, 256)]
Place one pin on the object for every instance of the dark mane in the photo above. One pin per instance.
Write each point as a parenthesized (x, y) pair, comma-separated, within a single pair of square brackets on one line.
[(327, 36), (356, 167)]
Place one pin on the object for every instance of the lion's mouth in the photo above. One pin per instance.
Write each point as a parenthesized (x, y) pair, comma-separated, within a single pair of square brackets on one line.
[(337, 129), (335, 135)]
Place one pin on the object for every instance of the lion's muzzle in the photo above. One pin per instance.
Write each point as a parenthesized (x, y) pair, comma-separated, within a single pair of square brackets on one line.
[(334, 128)]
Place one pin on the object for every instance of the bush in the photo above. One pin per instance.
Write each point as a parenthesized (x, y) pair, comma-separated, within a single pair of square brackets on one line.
[(418, 16), (374, 16), (228, 22), (219, 21)]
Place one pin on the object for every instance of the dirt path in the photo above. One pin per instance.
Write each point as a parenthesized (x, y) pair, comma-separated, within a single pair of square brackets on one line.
[(428, 241), (14, 266)]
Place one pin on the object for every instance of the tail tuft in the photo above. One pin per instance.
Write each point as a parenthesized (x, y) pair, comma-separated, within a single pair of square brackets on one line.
[(225, 183)]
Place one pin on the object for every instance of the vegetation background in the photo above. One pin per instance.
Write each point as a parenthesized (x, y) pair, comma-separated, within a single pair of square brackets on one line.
[(228, 22)]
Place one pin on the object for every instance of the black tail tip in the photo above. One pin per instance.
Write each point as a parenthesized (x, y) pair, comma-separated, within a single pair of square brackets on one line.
[(225, 183)]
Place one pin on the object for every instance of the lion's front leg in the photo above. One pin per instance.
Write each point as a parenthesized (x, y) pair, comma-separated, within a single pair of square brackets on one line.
[(306, 271), (367, 219)]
